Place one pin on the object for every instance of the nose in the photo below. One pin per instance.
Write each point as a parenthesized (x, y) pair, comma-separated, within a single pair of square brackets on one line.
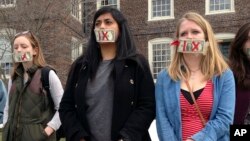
[(18, 49), (189, 35), (102, 25)]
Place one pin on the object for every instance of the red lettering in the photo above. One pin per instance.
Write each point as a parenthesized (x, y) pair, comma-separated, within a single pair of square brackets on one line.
[(195, 46), (184, 45), (105, 35), (24, 57)]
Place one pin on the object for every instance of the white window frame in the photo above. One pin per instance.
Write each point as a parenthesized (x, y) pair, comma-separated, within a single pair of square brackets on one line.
[(208, 12), (4, 5), (150, 9), (150, 51), (76, 48), (224, 37), (75, 8), (99, 4)]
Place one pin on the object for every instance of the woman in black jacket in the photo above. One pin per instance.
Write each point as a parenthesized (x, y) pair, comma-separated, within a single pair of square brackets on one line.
[(109, 95)]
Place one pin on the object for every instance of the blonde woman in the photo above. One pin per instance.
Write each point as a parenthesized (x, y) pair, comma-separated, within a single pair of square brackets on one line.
[(195, 97)]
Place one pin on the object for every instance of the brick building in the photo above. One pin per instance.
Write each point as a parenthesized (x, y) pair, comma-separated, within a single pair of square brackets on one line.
[(153, 22), (66, 25)]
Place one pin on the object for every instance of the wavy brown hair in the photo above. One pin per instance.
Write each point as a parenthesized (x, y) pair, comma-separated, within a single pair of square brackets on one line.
[(238, 59)]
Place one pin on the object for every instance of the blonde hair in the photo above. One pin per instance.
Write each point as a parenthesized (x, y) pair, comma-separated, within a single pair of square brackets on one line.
[(38, 59), (212, 63)]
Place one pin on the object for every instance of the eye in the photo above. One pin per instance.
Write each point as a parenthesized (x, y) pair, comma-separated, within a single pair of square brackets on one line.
[(183, 34), (97, 23), (195, 32), (15, 47), (24, 46), (108, 22)]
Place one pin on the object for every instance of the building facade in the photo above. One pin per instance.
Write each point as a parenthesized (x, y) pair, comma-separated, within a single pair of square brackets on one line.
[(64, 27), (153, 23)]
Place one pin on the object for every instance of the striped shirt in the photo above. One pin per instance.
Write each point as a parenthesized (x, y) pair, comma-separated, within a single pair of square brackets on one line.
[(191, 122)]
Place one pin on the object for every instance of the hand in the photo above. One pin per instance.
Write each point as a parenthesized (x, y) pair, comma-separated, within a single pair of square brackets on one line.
[(48, 130)]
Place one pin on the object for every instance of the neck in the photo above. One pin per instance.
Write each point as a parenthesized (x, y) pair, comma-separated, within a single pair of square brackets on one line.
[(108, 51), (193, 62), (27, 65)]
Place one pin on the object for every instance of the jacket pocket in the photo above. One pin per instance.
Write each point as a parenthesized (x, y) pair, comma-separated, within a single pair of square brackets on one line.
[(34, 132)]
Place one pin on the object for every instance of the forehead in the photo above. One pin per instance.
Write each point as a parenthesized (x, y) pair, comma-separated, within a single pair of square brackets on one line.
[(21, 39), (105, 16), (189, 24)]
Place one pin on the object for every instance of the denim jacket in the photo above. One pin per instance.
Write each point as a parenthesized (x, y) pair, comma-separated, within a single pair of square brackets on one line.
[(3, 94), (168, 114)]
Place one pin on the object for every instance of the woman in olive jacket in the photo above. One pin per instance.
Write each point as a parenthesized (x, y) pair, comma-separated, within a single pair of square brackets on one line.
[(109, 94)]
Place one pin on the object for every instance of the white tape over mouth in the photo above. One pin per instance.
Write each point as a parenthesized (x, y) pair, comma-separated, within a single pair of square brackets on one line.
[(105, 35), (192, 46), (22, 57)]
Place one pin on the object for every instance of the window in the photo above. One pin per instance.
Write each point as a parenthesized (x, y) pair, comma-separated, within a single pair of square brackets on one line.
[(77, 48), (160, 9), (5, 56), (113, 3), (7, 3), (224, 48), (159, 53), (219, 6), (76, 9), (224, 41), (6, 67)]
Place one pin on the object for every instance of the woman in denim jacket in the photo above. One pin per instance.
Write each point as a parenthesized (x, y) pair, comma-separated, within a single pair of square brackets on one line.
[(3, 94), (202, 71)]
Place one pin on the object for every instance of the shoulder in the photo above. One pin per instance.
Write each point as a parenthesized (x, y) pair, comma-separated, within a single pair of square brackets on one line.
[(77, 64), (226, 74), (139, 60), (226, 78), (163, 77), (163, 74), (52, 73), (1, 83)]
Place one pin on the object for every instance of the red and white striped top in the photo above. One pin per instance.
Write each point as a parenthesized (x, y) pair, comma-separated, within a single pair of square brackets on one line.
[(191, 122)]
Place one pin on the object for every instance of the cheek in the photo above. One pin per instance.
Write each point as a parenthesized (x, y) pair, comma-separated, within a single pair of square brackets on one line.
[(202, 35), (247, 44), (117, 33)]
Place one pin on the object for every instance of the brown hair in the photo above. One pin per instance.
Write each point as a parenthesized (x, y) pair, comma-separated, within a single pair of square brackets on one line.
[(238, 59), (38, 59)]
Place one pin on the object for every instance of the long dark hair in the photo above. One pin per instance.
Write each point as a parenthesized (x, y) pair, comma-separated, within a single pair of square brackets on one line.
[(125, 44), (238, 59)]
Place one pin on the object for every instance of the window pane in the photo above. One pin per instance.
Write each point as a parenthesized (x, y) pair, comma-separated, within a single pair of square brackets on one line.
[(76, 50), (220, 5), (161, 57), (112, 3), (160, 8)]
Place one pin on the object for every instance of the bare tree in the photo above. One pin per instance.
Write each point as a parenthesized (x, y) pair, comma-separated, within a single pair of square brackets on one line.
[(50, 20)]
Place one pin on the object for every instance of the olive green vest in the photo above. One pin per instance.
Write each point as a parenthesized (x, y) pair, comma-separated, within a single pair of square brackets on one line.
[(29, 110)]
